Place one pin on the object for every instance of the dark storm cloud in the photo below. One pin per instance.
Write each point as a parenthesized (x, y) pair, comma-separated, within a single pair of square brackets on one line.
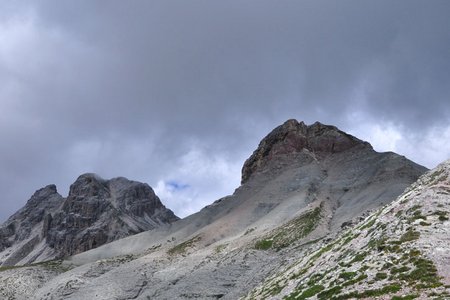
[(152, 90)]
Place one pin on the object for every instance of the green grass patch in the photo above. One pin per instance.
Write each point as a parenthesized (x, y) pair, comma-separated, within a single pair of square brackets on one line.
[(369, 223), (301, 295), (313, 279), (399, 213), (406, 297), (54, 265), (409, 235), (356, 280), (358, 257), (415, 207), (443, 218), (298, 274), (275, 289), (321, 251), (220, 248), (6, 268), (416, 216), (425, 272), (436, 177), (327, 294), (388, 289), (402, 269), (184, 246), (440, 213), (292, 231), (347, 275), (263, 244), (381, 276)]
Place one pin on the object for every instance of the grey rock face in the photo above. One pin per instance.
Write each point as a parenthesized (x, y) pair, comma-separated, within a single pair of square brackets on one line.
[(293, 137), (19, 226), (96, 212), (20, 234), (84, 221)]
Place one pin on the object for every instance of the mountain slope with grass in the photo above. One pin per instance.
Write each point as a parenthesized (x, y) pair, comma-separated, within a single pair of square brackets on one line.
[(402, 251)]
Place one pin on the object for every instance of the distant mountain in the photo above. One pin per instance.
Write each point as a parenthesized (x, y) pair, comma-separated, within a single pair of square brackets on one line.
[(96, 212), (300, 188), (401, 251)]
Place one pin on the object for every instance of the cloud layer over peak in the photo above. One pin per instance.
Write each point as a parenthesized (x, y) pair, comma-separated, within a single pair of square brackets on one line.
[(182, 91)]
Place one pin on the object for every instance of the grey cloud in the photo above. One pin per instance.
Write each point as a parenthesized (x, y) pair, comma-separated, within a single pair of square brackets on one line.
[(128, 88)]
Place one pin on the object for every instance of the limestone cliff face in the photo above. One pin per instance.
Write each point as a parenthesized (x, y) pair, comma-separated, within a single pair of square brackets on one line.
[(292, 138), (96, 212), (19, 234)]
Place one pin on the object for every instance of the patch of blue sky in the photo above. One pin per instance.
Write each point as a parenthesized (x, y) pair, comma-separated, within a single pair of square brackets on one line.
[(177, 186)]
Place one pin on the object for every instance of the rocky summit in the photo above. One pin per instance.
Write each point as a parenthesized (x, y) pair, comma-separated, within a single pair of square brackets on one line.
[(302, 189), (96, 212), (292, 138)]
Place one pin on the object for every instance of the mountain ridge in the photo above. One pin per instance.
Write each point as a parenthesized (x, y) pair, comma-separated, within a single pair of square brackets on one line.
[(95, 212), (291, 201)]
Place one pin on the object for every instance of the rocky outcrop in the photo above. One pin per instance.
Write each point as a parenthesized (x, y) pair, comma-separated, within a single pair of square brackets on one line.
[(84, 221), (19, 227), (96, 212), (294, 137)]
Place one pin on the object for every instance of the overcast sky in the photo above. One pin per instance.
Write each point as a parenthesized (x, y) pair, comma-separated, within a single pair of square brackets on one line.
[(179, 93)]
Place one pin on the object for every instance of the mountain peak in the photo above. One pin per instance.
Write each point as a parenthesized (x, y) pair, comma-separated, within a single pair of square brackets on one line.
[(86, 185), (293, 137), (96, 211), (291, 124), (44, 193)]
